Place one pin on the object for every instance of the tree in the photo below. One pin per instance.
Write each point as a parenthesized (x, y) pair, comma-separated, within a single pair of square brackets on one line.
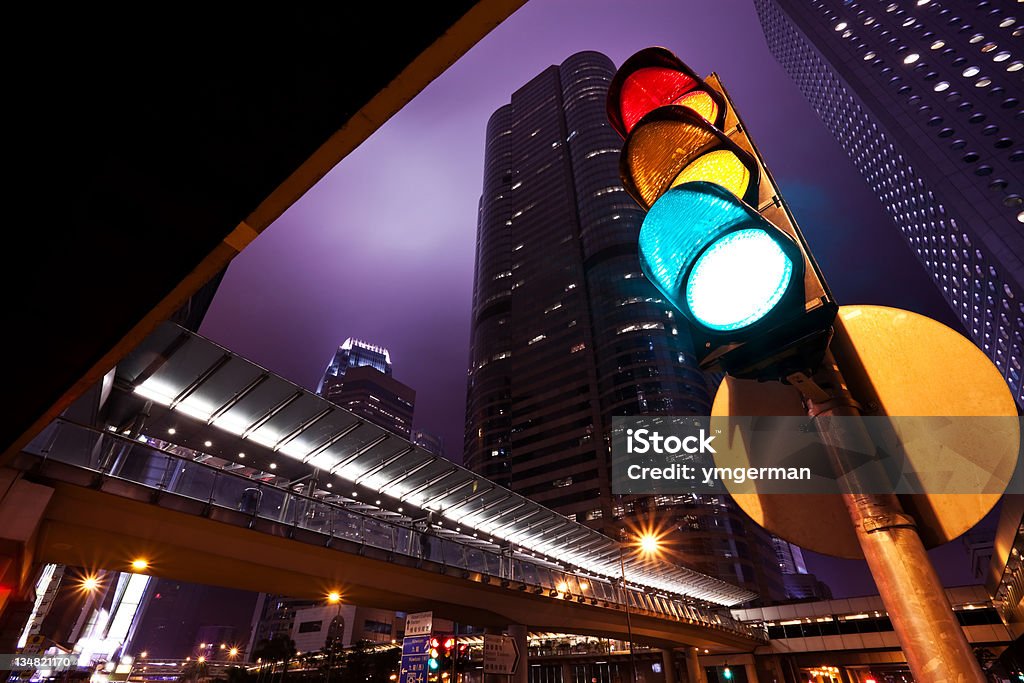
[(280, 648), (237, 674)]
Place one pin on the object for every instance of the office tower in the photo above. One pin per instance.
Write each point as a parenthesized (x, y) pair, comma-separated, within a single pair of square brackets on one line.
[(800, 584), (352, 354), (567, 332), (925, 98), (428, 441), (358, 378), (273, 616)]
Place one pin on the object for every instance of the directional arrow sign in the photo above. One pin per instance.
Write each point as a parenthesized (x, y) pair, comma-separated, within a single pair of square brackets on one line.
[(501, 655)]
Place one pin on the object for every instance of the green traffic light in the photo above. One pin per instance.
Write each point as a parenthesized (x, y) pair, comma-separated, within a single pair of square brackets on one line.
[(715, 297), (716, 259), (727, 674)]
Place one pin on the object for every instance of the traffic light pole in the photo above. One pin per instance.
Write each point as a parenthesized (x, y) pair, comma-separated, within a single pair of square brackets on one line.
[(932, 639)]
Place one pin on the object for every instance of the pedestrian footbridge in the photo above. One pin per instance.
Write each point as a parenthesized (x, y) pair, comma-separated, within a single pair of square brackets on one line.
[(216, 471)]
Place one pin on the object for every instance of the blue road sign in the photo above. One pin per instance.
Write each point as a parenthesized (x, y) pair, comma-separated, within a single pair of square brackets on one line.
[(415, 652)]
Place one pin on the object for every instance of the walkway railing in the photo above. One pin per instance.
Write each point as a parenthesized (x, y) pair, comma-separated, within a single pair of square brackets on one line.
[(113, 455)]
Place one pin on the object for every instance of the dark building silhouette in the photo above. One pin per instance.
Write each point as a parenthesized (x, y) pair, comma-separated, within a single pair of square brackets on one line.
[(567, 332), (428, 441), (381, 399), (180, 616), (925, 97)]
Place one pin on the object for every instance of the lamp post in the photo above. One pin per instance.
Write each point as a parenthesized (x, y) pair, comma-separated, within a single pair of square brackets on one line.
[(334, 598), (649, 545), (629, 619)]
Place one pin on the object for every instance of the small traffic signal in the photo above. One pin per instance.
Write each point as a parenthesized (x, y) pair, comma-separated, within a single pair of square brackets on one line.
[(727, 674), (717, 241), (433, 656)]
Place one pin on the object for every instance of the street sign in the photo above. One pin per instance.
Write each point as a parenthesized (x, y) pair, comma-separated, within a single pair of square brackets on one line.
[(419, 624), (501, 655), (911, 366), (414, 659)]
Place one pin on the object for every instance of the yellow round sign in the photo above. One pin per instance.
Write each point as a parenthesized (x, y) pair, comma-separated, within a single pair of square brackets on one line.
[(895, 363)]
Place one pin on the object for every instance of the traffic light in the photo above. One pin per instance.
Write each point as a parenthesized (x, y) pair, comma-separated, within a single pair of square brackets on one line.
[(727, 674), (433, 656), (448, 655), (718, 241)]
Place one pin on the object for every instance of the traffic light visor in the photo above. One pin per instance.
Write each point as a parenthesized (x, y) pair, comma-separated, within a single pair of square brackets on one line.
[(672, 145), (716, 259), (653, 78)]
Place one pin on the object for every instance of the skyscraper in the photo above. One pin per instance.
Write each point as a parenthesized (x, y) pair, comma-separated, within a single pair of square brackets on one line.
[(358, 378), (352, 354), (925, 97), (567, 332)]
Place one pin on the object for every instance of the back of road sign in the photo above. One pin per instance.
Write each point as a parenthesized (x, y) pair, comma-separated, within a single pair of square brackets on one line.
[(501, 654), (896, 363)]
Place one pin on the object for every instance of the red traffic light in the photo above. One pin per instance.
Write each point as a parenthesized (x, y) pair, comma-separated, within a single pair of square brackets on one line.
[(449, 643), (435, 643), (654, 78)]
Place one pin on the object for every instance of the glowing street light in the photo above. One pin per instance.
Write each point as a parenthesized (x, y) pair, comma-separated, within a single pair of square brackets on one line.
[(649, 544), (139, 564), (233, 652), (334, 597), (90, 583)]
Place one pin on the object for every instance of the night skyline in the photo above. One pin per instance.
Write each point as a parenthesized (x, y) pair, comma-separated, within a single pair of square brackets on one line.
[(404, 264)]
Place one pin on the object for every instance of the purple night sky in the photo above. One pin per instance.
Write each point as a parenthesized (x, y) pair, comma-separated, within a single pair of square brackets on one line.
[(382, 248)]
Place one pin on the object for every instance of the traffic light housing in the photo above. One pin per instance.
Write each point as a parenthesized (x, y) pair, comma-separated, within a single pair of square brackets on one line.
[(448, 654), (434, 655), (718, 241)]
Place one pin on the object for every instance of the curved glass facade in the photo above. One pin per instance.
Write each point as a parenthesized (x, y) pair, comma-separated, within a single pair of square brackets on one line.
[(567, 332)]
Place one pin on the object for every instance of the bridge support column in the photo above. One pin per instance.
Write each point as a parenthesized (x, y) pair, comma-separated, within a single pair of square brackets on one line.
[(22, 504), (694, 673), (668, 665), (751, 670), (568, 673), (519, 633)]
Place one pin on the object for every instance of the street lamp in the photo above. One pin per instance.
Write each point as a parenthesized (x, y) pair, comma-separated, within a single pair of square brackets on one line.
[(649, 545), (334, 598)]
